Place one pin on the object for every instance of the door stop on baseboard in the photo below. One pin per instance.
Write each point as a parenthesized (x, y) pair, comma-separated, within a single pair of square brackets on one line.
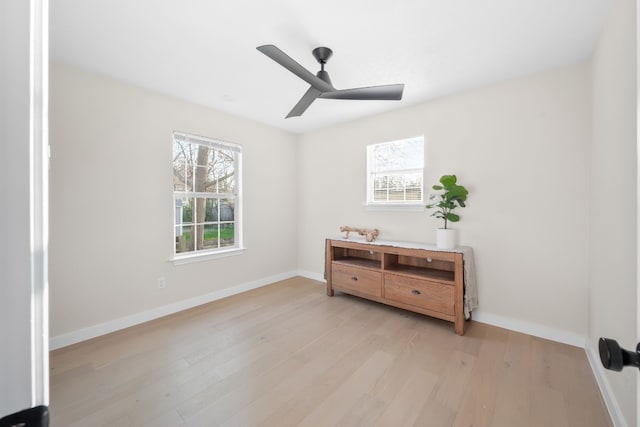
[(614, 358)]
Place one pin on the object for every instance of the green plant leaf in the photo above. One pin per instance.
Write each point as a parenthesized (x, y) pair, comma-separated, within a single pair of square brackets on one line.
[(458, 191), (438, 187), (453, 217), (448, 180)]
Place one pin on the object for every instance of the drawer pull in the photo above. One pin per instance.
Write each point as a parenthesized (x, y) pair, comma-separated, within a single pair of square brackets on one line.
[(415, 292), (354, 278)]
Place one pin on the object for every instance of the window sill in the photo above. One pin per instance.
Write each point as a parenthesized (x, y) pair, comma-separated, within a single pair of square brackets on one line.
[(395, 208), (191, 258)]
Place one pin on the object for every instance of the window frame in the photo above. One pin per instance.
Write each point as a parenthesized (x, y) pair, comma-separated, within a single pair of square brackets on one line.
[(410, 205), (220, 251)]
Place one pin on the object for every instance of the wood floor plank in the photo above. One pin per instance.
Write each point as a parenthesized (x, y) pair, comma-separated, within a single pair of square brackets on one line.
[(548, 407), (453, 381), (514, 382), (330, 410), (288, 355), (405, 408), (478, 404), (364, 412)]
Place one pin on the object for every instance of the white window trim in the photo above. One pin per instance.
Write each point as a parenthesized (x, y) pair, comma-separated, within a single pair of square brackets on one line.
[(393, 206), (190, 258), (209, 254)]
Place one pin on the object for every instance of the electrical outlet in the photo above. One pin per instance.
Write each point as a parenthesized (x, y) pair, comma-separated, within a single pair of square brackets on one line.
[(161, 283)]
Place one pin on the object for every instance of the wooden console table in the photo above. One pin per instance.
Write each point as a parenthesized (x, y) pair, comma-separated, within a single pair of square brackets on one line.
[(424, 281)]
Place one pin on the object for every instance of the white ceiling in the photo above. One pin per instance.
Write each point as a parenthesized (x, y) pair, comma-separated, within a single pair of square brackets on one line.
[(205, 50)]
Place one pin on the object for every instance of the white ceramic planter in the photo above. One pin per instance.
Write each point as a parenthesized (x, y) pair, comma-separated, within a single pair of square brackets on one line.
[(446, 238)]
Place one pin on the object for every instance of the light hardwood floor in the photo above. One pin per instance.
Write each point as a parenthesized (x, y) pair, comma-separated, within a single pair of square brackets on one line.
[(287, 355)]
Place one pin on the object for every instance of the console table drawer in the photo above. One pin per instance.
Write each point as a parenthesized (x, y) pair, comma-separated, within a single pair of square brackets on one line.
[(419, 293), (357, 279)]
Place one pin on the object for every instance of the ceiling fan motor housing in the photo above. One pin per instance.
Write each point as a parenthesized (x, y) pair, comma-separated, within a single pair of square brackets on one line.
[(322, 54)]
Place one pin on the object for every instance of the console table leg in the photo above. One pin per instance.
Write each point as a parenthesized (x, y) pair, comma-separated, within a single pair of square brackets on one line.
[(459, 326), (327, 266)]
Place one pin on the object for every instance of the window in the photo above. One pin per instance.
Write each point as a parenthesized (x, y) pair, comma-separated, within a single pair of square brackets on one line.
[(395, 171), (206, 194)]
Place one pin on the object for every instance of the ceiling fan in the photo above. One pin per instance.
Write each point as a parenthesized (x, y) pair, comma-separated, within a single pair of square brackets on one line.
[(321, 86)]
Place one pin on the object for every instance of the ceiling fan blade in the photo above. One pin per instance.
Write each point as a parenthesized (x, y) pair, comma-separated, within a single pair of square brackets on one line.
[(290, 64), (372, 93), (307, 99)]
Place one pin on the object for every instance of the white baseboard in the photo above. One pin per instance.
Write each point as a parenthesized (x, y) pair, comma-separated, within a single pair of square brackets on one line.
[(537, 330), (313, 276), (605, 387), (94, 331)]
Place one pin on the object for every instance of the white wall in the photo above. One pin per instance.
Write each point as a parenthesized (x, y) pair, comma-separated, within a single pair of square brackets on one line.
[(23, 354), (112, 202), (613, 222), (520, 147)]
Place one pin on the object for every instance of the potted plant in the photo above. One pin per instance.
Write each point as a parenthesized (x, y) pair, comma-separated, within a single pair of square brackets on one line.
[(450, 197)]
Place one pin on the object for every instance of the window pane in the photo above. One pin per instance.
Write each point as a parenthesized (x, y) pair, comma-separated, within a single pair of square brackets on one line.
[(204, 180), (186, 178), (380, 196), (224, 165), (184, 210), (380, 181), (413, 186), (226, 182), (199, 210), (227, 235), (210, 236), (182, 169), (203, 154), (398, 155), (396, 188), (184, 241), (227, 210), (211, 211), (414, 193)]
